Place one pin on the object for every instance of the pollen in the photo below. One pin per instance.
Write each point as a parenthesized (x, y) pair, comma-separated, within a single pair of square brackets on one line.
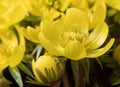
[(69, 36)]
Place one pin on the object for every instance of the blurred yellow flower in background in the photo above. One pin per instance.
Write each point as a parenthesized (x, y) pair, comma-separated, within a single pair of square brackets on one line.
[(81, 4), (31, 33), (114, 4), (38, 7), (48, 69), (12, 48), (69, 36), (11, 12)]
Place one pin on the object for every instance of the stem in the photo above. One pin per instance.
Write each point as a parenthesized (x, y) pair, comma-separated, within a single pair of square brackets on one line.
[(3, 84), (65, 80), (55, 84), (81, 76)]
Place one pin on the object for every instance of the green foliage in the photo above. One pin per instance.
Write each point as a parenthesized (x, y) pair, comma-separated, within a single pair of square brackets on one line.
[(16, 76), (25, 70)]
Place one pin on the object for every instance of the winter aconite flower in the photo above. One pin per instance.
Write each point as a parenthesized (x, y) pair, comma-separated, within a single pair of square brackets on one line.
[(69, 36), (38, 7), (112, 3), (12, 48), (11, 12), (47, 69)]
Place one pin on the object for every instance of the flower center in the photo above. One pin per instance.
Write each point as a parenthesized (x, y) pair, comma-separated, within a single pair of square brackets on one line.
[(68, 37)]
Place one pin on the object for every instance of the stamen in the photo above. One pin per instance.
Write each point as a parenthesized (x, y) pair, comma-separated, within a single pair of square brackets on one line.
[(67, 37)]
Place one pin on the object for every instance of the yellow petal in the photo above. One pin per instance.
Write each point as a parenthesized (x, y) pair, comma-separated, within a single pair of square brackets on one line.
[(114, 4), (3, 63), (53, 14), (31, 33), (101, 51), (98, 36), (3, 59), (3, 30), (75, 51), (17, 56), (32, 7), (19, 51), (76, 21), (82, 4), (99, 13), (9, 38), (51, 30), (51, 47), (12, 11), (4, 23), (17, 15), (64, 5)]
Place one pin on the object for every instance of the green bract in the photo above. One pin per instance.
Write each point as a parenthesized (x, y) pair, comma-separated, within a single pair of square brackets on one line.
[(69, 36)]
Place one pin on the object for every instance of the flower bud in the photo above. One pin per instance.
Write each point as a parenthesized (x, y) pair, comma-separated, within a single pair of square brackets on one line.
[(47, 69)]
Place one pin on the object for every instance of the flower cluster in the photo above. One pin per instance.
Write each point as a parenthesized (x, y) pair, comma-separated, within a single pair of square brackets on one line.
[(72, 29)]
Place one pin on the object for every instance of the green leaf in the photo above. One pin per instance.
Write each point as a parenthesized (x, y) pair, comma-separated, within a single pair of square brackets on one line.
[(25, 70), (109, 61), (117, 17), (27, 58), (3, 79), (77, 66), (116, 82), (16, 76), (30, 20), (111, 12)]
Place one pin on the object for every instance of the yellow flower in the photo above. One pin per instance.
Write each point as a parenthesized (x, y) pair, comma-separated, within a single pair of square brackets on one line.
[(114, 3), (11, 12), (47, 69), (12, 48), (69, 36), (97, 13), (38, 7), (31, 33)]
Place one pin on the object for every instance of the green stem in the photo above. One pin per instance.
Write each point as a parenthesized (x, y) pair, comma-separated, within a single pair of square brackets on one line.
[(81, 81), (65, 80), (55, 84)]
